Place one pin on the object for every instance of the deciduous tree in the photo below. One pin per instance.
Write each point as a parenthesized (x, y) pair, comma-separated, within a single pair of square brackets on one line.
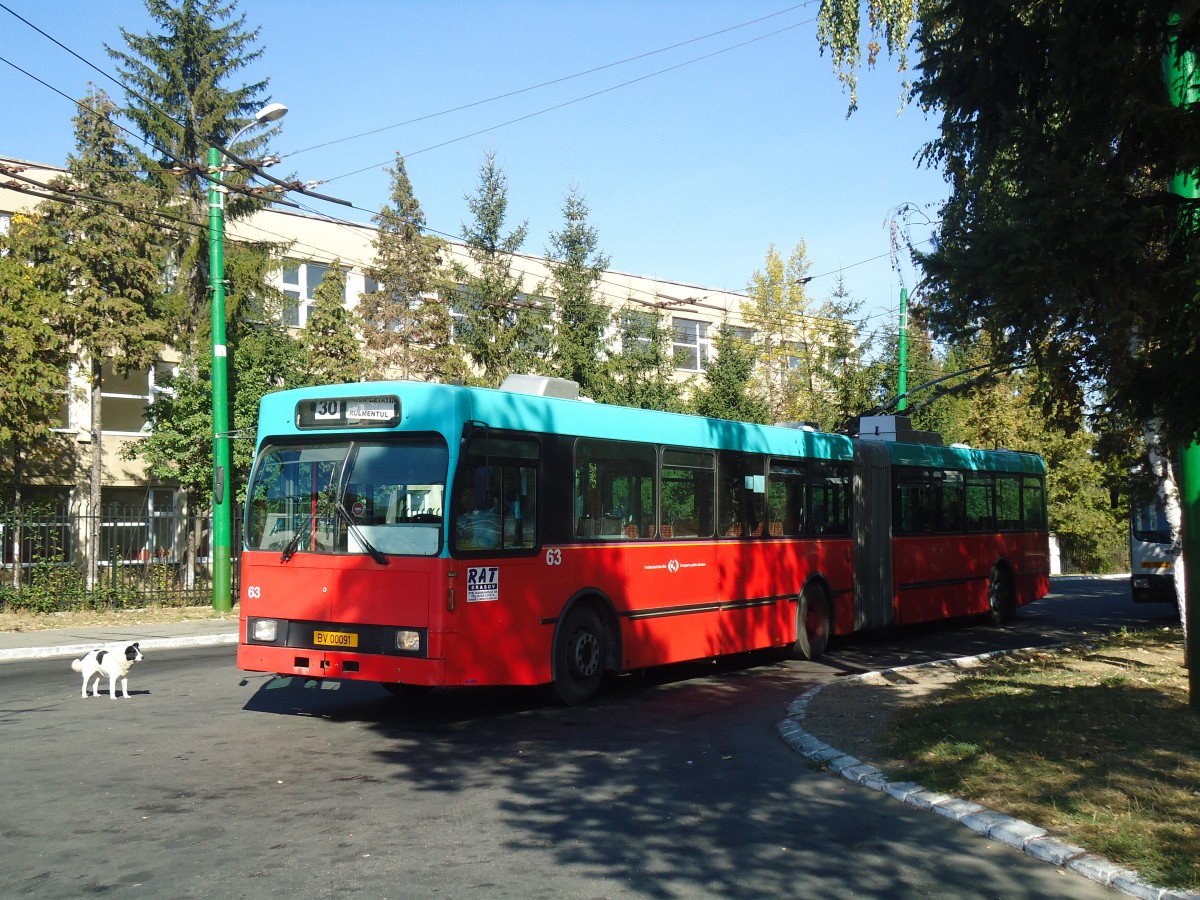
[(777, 311), (33, 379), (109, 258)]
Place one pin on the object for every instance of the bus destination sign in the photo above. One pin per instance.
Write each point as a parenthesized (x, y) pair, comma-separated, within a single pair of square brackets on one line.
[(348, 412)]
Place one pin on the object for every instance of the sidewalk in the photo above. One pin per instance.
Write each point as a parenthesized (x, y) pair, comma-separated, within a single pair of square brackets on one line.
[(74, 642)]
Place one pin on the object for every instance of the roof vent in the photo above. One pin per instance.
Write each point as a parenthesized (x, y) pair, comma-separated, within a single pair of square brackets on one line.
[(799, 426), (541, 386)]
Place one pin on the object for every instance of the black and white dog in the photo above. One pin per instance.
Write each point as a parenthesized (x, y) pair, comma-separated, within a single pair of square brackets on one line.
[(115, 661)]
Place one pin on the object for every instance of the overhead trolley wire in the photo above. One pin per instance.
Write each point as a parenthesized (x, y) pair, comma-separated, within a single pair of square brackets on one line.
[(567, 103), (552, 81)]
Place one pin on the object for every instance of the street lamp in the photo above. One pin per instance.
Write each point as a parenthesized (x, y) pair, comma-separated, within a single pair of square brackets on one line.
[(222, 572)]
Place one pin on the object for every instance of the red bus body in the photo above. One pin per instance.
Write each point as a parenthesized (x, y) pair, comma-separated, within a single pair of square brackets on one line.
[(794, 537)]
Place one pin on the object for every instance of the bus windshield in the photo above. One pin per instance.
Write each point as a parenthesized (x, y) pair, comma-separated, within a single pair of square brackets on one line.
[(346, 496), (1150, 524)]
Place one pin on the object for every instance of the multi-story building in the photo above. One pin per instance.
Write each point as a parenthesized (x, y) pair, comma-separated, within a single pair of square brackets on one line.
[(692, 312)]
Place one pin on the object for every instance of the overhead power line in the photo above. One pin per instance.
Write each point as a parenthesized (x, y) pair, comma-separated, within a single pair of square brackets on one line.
[(566, 103), (305, 187), (552, 81)]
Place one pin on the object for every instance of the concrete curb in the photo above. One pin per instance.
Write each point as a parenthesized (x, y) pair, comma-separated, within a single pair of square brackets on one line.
[(76, 650), (1015, 833)]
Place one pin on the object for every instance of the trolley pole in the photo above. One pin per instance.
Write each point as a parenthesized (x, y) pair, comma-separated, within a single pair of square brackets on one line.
[(1184, 87), (902, 381), (222, 570)]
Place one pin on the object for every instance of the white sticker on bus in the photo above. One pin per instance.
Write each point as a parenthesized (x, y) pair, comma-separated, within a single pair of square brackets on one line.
[(483, 583)]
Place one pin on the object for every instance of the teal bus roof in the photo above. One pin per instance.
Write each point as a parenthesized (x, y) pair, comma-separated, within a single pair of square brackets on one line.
[(444, 408), (966, 458)]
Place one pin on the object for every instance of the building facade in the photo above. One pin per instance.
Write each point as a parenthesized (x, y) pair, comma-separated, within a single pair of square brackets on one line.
[(692, 312)]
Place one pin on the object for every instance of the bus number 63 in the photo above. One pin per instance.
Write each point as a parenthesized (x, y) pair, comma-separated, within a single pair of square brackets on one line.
[(554, 557)]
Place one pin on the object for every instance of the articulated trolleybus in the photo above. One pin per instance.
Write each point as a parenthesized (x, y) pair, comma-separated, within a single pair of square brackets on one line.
[(419, 535)]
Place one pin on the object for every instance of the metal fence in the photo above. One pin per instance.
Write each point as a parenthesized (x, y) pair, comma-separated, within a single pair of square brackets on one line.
[(123, 557)]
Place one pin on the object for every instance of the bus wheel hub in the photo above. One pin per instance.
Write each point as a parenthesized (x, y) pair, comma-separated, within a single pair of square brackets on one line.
[(585, 653)]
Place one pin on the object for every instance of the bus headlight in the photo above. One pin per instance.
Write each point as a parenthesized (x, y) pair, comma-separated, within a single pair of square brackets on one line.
[(408, 641), (264, 630), (1141, 582)]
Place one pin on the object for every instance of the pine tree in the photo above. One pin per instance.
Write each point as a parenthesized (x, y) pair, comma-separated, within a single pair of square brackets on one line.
[(501, 330), (334, 352), (725, 393), (641, 371), (848, 380), (576, 268), (179, 104), (406, 328)]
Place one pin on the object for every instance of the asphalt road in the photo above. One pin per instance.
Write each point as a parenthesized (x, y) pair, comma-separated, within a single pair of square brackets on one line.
[(674, 785)]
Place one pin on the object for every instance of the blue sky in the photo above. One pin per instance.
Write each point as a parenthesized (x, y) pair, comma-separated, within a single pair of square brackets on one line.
[(690, 173)]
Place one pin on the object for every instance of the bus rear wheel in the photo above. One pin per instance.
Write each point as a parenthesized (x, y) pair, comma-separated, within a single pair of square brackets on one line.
[(1002, 600), (580, 649), (812, 623)]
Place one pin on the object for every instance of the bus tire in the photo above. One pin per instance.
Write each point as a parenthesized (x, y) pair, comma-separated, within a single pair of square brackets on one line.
[(410, 692), (580, 651), (1002, 599), (812, 623)]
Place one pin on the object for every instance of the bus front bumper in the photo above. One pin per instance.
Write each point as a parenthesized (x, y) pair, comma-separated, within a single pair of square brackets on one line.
[(308, 663)]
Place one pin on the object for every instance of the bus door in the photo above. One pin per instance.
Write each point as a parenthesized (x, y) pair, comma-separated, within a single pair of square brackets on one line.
[(873, 589)]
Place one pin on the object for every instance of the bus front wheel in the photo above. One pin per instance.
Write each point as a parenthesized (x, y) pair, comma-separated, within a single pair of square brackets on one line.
[(580, 649), (812, 623)]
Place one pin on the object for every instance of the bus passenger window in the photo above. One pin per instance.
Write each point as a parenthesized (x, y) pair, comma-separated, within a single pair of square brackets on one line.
[(477, 527), (742, 495), (785, 499), (829, 500), (1008, 503), (1033, 504), (496, 494), (614, 489), (687, 493), (979, 495), (950, 499)]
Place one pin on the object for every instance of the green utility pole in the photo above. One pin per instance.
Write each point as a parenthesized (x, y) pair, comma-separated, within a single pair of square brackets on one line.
[(1184, 86), (902, 382), (222, 569)]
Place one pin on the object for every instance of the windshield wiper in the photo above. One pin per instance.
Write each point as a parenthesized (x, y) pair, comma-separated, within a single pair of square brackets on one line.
[(292, 546), (362, 538)]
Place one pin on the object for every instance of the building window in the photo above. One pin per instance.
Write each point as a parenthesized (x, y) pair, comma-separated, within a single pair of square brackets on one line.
[(638, 330), (63, 418), (300, 283), (691, 344), (796, 351), (139, 526), (124, 398)]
